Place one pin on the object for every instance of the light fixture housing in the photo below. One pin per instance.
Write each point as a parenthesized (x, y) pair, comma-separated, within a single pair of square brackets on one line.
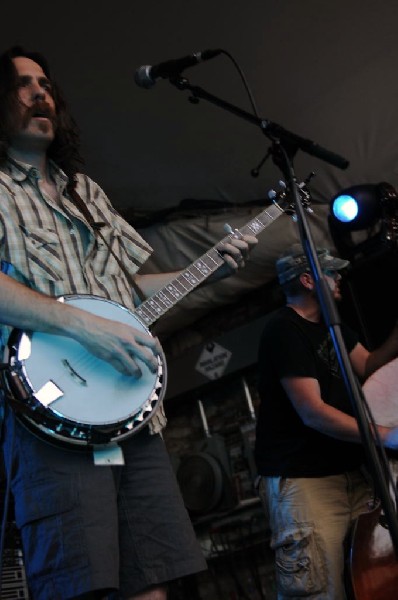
[(363, 220)]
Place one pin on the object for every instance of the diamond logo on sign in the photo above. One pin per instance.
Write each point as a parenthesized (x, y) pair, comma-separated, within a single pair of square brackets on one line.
[(213, 360)]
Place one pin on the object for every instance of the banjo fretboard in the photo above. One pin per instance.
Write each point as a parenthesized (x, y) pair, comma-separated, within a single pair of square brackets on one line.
[(158, 304)]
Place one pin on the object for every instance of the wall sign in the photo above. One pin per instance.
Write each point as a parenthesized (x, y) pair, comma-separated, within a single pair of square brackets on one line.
[(213, 360)]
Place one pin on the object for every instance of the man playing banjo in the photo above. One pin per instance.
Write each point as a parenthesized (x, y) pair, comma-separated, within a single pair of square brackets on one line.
[(87, 531)]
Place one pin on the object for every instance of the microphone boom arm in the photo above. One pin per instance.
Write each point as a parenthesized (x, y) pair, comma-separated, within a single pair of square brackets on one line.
[(272, 130)]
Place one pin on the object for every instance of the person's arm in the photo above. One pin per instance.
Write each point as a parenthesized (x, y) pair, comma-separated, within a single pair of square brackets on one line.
[(109, 340), (384, 354), (304, 393), (365, 363)]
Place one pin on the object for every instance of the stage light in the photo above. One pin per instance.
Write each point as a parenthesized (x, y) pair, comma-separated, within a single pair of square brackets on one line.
[(363, 219), (345, 208)]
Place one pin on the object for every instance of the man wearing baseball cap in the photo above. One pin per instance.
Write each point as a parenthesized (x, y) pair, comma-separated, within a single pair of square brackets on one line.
[(294, 262), (308, 450)]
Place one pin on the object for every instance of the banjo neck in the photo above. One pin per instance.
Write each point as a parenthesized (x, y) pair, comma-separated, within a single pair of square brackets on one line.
[(190, 278)]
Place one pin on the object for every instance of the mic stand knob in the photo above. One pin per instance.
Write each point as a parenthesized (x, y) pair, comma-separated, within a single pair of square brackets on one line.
[(256, 171)]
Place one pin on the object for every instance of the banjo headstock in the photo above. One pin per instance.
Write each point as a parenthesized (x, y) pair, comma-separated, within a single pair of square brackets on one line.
[(286, 200)]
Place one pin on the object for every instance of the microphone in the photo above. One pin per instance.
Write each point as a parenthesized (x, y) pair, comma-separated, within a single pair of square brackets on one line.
[(146, 75)]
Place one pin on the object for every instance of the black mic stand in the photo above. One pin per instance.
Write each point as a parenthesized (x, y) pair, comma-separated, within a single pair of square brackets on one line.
[(284, 146), (269, 128), (332, 320)]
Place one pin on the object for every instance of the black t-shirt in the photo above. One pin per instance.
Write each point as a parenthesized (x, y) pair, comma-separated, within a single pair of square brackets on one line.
[(295, 347)]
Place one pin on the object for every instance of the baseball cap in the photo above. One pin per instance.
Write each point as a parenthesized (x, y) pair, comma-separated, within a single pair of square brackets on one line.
[(293, 262)]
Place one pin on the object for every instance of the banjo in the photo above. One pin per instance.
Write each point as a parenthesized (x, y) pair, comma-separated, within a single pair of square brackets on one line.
[(63, 393)]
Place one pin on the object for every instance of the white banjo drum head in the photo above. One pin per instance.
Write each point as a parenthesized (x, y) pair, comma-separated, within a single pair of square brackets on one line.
[(70, 395)]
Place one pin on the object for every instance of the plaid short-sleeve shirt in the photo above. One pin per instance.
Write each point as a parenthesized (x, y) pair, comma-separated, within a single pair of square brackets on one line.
[(50, 246)]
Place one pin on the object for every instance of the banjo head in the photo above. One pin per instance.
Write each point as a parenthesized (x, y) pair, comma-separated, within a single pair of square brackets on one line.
[(66, 393)]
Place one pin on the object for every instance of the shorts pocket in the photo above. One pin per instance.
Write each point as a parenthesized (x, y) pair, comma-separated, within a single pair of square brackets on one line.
[(44, 499), (48, 517), (299, 563)]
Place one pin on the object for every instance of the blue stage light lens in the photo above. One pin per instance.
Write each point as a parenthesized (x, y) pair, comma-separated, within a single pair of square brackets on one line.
[(345, 208)]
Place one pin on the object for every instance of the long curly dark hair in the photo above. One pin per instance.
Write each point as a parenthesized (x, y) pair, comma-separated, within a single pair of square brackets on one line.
[(64, 149)]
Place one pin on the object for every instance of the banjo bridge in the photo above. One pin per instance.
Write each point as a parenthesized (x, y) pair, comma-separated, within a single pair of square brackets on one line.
[(74, 374)]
